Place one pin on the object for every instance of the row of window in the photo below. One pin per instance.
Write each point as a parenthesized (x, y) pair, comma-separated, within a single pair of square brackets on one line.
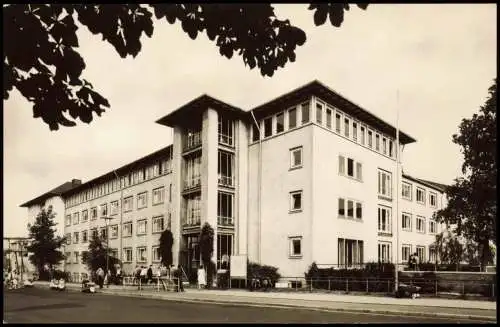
[(407, 193), (158, 225), (114, 206), (141, 255), (159, 168), (344, 125), (385, 252)]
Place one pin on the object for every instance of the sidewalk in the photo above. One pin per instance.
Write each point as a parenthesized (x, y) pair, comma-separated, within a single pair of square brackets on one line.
[(477, 310)]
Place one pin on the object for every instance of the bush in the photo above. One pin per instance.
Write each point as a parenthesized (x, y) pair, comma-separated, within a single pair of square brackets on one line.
[(263, 271)]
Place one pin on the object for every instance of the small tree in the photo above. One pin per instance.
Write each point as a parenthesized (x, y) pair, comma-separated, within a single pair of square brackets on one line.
[(207, 250), (44, 246), (95, 257), (166, 243)]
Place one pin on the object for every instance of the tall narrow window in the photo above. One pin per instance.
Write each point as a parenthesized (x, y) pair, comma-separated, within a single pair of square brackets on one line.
[(377, 142), (350, 167), (292, 118), (268, 127), (355, 132), (225, 131), (346, 127), (225, 168), (225, 209), (370, 139), (280, 122), (384, 183), (384, 219), (341, 165), (391, 150), (341, 207), (329, 118), (305, 112), (296, 201), (319, 113), (296, 157), (384, 145), (338, 120)]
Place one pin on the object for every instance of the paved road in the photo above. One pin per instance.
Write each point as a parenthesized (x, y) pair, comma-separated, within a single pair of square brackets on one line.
[(45, 306)]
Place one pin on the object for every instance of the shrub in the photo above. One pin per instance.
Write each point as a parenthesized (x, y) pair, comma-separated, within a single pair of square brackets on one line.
[(261, 271)]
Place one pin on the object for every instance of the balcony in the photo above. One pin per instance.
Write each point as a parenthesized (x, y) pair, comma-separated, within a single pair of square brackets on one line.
[(226, 181), (192, 141), (192, 221), (225, 221), (192, 183)]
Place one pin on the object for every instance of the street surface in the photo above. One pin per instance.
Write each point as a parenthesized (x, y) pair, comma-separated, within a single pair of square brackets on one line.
[(37, 305)]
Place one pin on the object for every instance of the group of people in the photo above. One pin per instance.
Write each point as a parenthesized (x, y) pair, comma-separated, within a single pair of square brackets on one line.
[(413, 261)]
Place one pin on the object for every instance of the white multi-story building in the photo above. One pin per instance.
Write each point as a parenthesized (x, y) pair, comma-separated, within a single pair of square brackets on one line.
[(307, 177)]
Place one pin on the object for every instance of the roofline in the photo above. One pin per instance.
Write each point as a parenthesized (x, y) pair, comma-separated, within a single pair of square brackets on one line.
[(171, 119), (117, 170), (313, 87), (426, 183)]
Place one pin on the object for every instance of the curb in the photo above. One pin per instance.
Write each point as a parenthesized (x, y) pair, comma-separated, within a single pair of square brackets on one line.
[(295, 306)]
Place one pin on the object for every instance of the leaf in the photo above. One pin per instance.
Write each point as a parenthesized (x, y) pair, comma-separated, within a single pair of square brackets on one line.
[(336, 14), (362, 5), (320, 15)]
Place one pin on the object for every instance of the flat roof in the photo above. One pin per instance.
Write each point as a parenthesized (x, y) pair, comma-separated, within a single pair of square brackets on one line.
[(119, 171), (322, 91), (197, 106)]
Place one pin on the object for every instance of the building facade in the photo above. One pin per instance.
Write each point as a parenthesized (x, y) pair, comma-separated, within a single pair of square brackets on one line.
[(307, 177)]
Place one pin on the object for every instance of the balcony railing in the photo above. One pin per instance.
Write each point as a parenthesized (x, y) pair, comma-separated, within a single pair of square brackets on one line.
[(192, 183), (192, 221), (225, 221), (226, 180), (192, 140)]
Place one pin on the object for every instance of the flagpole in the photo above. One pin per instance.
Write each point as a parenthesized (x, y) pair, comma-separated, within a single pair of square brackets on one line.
[(396, 269)]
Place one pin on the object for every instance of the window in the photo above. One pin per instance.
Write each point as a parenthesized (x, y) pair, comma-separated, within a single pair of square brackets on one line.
[(405, 252), (362, 134), (113, 231), (432, 199), (142, 200), (384, 145), (104, 210), (319, 113), (296, 201), (76, 257), (67, 255), (68, 239), (280, 122), (292, 118), (85, 216), (156, 253), (104, 233), (94, 233), (158, 224), (329, 118), (225, 168), (158, 195), (113, 253), (338, 119), (354, 131), (406, 191), (384, 220), (391, 149), (432, 254), (305, 112), (255, 132), (93, 213), (76, 237), (421, 253), (127, 254), (296, 157), (359, 210), (225, 131), (350, 208), (346, 127), (142, 227), (76, 218), (384, 252), (370, 139), (268, 127), (127, 229), (170, 193), (142, 255), (128, 203), (225, 208), (67, 221), (193, 210), (341, 207), (295, 246), (85, 236), (114, 207), (420, 224), (406, 221), (384, 183), (354, 168), (377, 142), (432, 227), (350, 252), (420, 195)]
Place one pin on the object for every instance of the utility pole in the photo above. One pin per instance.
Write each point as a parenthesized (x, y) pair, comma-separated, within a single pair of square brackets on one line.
[(396, 267)]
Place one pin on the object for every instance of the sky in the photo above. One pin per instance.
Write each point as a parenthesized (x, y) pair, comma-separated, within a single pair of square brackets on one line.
[(440, 58)]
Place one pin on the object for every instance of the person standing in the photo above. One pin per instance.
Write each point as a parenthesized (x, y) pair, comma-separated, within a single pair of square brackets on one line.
[(100, 277), (202, 277), (150, 274)]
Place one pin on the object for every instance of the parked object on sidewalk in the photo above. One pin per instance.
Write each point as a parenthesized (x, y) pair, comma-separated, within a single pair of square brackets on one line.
[(54, 284), (88, 286), (410, 291)]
